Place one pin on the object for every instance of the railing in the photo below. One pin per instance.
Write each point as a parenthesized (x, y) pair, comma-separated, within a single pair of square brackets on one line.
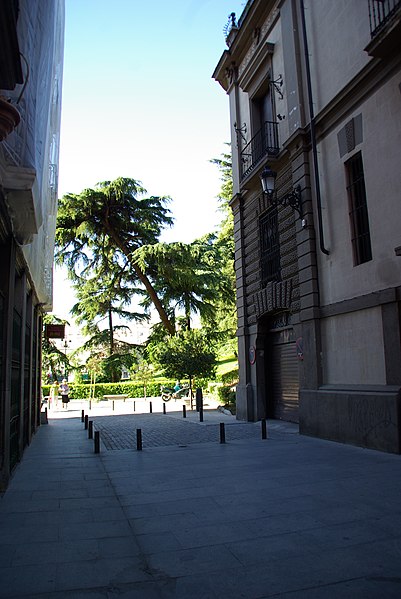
[(264, 143), (380, 12)]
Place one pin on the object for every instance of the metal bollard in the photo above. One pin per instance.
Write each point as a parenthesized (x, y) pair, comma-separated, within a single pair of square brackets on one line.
[(150, 407), (222, 433), (97, 442), (90, 404), (86, 421), (199, 399), (201, 412), (113, 406), (134, 406), (139, 439), (264, 429), (90, 429), (83, 416), (164, 407), (184, 411)]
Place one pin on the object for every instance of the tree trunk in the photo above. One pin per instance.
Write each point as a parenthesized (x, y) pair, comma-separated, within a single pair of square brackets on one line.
[(111, 346), (144, 280), (188, 314)]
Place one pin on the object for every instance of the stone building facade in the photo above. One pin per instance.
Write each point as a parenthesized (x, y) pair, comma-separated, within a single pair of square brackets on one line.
[(314, 95), (31, 44)]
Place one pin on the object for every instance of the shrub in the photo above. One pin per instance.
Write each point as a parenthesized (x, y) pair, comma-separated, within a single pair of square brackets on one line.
[(226, 395), (231, 377)]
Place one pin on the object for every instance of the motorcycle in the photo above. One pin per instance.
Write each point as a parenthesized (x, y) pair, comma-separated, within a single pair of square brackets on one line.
[(168, 393)]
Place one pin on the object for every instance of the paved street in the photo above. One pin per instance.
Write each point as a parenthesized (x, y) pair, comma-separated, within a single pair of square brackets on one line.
[(190, 518)]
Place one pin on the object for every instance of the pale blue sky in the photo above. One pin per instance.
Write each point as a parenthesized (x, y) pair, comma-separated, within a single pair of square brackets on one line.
[(139, 101)]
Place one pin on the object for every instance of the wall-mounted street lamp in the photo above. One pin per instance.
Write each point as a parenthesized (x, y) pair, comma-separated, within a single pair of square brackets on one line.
[(293, 198)]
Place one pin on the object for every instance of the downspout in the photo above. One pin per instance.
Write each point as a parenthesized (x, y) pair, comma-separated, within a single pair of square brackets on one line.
[(313, 133)]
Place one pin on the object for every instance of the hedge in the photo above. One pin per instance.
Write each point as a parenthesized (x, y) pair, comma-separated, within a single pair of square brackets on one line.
[(132, 389), (82, 391), (226, 395), (231, 377)]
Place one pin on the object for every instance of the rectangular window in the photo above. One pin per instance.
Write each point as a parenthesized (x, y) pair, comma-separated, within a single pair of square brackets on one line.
[(358, 211), (269, 247)]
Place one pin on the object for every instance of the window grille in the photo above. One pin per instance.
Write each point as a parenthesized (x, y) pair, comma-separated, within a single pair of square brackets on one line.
[(358, 211)]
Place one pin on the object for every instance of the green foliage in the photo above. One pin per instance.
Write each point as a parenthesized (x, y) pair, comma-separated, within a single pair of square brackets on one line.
[(186, 275), (54, 360), (231, 377), (189, 354), (99, 230), (224, 322), (82, 391), (226, 395)]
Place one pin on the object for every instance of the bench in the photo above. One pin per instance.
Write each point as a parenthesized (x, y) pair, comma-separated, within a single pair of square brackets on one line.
[(106, 397)]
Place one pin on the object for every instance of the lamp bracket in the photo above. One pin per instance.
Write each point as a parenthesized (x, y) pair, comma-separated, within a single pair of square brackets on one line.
[(278, 84), (241, 132), (293, 199)]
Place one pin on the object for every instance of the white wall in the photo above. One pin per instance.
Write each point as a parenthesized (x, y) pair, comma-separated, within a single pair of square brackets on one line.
[(339, 278), (338, 32), (352, 349)]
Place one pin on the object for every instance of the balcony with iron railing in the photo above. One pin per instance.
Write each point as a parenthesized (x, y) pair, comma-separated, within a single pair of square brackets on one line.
[(385, 27), (263, 144)]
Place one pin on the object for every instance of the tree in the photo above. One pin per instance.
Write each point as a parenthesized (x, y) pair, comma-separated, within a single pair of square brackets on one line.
[(187, 355), (224, 321), (186, 275), (143, 372), (113, 219), (54, 360), (102, 299)]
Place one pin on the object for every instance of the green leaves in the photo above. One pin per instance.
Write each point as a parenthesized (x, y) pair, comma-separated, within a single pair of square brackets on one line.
[(188, 354)]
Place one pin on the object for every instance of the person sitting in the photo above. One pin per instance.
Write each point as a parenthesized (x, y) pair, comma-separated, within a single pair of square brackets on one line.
[(177, 386)]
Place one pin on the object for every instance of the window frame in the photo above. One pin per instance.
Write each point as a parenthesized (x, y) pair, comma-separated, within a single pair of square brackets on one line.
[(358, 210)]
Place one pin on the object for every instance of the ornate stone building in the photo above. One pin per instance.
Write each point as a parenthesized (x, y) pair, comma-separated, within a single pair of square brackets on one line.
[(31, 60), (315, 106)]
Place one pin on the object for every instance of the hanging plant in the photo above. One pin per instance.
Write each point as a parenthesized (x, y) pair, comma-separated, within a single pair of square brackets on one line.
[(9, 118)]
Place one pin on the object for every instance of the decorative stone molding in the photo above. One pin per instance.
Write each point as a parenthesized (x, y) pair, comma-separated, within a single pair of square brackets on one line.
[(275, 296), (22, 199)]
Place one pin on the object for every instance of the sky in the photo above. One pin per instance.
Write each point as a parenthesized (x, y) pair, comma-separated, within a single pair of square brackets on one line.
[(139, 101)]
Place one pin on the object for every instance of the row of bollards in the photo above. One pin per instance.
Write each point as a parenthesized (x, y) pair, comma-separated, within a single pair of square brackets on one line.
[(88, 424), (95, 435), (222, 434)]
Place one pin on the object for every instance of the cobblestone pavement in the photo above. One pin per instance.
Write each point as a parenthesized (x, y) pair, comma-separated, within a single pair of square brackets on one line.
[(158, 430)]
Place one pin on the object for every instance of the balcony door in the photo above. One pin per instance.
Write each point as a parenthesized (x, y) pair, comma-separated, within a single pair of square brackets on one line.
[(264, 131)]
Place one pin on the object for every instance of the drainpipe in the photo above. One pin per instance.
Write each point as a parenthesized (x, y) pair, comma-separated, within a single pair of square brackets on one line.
[(313, 133)]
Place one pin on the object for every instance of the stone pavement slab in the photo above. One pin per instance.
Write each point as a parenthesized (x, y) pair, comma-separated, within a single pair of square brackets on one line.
[(290, 516)]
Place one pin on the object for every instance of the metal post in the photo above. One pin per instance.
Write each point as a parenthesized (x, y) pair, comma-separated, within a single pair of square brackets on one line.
[(83, 416), (184, 411), (264, 429), (113, 406), (201, 412), (90, 429), (199, 399), (86, 421), (164, 407), (150, 407), (97, 442), (134, 406), (139, 439), (90, 404), (222, 433)]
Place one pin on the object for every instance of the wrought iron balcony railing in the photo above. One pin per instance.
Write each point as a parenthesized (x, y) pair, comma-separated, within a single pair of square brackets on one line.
[(264, 143), (380, 13)]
